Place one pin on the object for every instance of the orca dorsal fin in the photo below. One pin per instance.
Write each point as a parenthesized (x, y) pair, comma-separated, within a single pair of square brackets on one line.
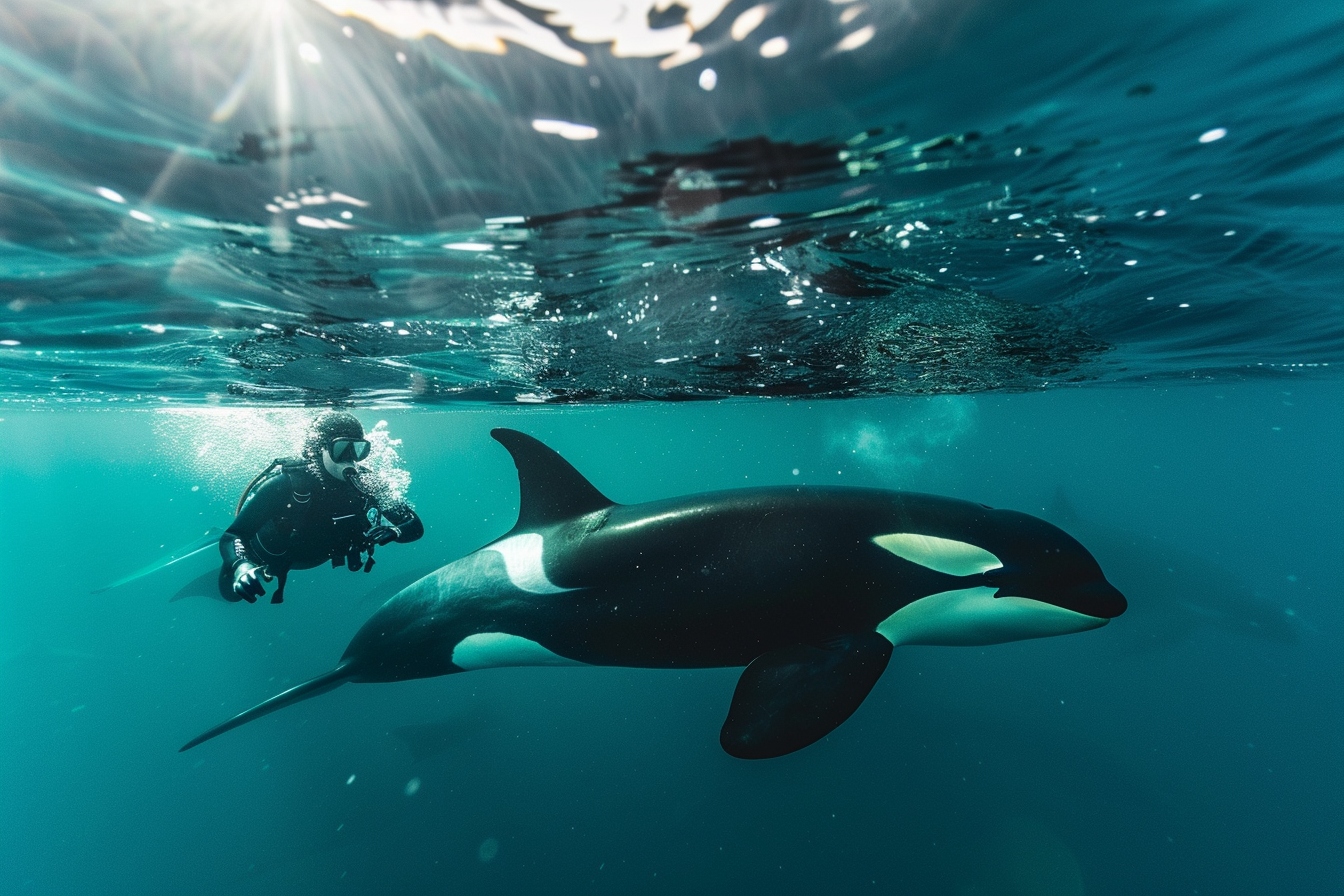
[(1061, 510), (550, 489)]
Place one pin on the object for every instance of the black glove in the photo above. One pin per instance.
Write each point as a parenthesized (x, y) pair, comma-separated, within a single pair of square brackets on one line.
[(247, 581), (381, 535)]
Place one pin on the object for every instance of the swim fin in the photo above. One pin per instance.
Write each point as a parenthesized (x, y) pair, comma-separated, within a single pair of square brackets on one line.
[(204, 585), (206, 541)]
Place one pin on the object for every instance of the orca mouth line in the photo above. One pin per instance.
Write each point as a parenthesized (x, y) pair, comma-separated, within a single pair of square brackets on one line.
[(1099, 599), (1105, 609), (1102, 606)]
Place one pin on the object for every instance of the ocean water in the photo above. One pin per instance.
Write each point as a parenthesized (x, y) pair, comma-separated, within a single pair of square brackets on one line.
[(1080, 260)]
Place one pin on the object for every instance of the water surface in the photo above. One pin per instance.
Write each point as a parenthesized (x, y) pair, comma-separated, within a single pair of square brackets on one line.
[(1081, 260)]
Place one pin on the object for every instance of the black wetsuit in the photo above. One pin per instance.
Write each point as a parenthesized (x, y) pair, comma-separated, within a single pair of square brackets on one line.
[(296, 518)]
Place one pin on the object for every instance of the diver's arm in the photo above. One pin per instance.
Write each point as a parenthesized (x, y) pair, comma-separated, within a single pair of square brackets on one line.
[(233, 550), (264, 503), (403, 525)]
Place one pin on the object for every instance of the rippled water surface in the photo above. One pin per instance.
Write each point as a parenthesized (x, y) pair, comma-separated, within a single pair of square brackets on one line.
[(378, 201)]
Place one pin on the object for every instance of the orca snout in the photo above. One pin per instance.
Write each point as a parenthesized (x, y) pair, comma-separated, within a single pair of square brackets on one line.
[(1092, 596), (1098, 598)]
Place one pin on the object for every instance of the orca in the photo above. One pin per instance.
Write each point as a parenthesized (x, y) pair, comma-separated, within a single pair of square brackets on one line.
[(809, 588)]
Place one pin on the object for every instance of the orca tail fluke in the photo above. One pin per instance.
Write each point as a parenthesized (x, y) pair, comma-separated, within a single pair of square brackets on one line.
[(311, 688)]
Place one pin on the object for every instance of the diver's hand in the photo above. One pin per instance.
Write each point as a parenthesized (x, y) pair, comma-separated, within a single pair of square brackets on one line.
[(381, 535), (247, 581)]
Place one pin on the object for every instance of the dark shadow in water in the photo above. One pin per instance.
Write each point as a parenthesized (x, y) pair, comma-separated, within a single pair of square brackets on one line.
[(431, 739), (684, 184), (273, 144), (1174, 593)]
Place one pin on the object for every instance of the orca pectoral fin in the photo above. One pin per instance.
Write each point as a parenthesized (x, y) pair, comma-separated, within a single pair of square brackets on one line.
[(789, 698)]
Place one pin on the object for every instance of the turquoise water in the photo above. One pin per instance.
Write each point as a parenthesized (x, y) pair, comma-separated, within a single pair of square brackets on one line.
[(893, 250), (1192, 745)]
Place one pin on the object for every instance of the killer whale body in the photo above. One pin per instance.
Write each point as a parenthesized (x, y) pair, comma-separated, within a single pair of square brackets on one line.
[(810, 588)]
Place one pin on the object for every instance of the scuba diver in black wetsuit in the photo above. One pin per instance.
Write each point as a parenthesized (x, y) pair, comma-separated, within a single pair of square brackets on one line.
[(301, 512)]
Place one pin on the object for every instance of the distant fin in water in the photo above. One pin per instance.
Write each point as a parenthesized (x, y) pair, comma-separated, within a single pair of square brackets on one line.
[(310, 688), (1061, 509), (208, 540), (430, 739)]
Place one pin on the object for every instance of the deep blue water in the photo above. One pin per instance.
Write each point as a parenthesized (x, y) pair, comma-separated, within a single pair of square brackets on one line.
[(1081, 260)]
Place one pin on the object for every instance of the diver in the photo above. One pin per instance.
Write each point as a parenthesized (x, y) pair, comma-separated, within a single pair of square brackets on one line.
[(301, 512)]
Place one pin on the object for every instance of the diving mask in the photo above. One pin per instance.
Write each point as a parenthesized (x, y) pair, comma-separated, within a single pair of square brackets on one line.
[(347, 451)]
